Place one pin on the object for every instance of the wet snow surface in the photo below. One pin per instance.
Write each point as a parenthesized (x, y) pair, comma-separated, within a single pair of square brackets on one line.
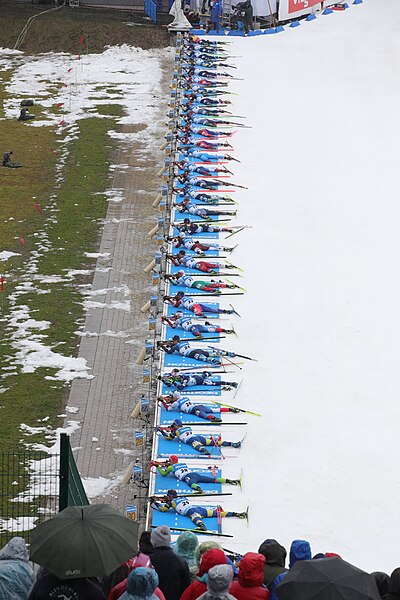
[(321, 269)]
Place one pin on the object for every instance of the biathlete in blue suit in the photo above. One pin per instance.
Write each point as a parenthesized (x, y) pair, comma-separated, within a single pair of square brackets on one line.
[(179, 321), (199, 442), (175, 402), (182, 381), (182, 506), (188, 475)]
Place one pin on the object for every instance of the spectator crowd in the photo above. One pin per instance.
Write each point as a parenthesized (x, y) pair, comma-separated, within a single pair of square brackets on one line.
[(185, 570)]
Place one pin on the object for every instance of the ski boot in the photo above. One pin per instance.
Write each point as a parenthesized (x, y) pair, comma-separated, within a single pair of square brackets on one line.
[(240, 515), (229, 331), (214, 419), (233, 481), (235, 385), (197, 489), (236, 444), (215, 360), (231, 286), (201, 526), (204, 450), (235, 410)]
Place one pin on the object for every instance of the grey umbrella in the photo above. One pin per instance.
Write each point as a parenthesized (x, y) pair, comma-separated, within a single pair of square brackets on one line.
[(327, 579), (84, 541)]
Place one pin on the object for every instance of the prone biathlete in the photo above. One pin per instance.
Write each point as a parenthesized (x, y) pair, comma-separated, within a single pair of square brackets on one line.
[(194, 209), (178, 321), (194, 245), (198, 308), (182, 506), (188, 475), (174, 402), (182, 260), (198, 442), (183, 347), (212, 287), (193, 228), (184, 380)]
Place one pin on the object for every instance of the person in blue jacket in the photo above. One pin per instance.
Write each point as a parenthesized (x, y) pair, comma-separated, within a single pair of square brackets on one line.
[(299, 550), (215, 13)]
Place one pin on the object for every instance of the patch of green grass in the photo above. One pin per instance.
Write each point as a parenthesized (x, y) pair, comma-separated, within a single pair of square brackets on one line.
[(113, 110), (80, 207)]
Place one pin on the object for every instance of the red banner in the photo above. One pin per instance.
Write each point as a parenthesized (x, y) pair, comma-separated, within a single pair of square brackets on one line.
[(296, 5)]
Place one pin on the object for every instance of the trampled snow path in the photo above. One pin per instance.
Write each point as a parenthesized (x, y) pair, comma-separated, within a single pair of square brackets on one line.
[(321, 268)]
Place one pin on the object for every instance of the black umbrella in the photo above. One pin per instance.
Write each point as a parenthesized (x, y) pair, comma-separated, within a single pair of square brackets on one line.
[(327, 579), (84, 541)]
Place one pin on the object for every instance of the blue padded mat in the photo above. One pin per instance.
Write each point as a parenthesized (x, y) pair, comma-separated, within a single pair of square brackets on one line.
[(167, 416), (166, 448), (186, 335), (163, 484), (198, 390), (172, 518), (195, 236), (177, 360)]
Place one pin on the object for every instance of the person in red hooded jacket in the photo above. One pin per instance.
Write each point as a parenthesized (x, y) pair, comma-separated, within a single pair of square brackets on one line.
[(142, 560), (250, 580), (210, 559)]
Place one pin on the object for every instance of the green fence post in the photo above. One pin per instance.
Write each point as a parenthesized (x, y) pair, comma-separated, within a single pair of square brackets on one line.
[(64, 472)]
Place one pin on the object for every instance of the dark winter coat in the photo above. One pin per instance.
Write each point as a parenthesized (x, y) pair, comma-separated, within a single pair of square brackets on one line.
[(173, 572), (382, 582), (394, 586), (275, 556), (250, 579), (67, 589), (210, 559)]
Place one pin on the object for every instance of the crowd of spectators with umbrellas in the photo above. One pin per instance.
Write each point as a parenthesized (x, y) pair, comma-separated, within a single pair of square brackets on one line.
[(93, 553)]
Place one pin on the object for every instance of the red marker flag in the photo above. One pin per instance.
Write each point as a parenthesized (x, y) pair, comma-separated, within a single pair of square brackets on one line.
[(53, 151), (22, 240), (82, 39), (61, 122), (69, 70), (59, 104), (79, 56), (2, 280), (36, 205)]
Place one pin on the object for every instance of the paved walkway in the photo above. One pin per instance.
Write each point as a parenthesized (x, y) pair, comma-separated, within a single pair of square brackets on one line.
[(104, 445)]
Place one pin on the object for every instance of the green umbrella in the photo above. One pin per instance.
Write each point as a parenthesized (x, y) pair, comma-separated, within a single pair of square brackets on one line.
[(84, 541)]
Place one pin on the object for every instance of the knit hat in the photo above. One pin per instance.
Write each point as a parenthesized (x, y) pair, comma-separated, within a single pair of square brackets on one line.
[(161, 536), (141, 583)]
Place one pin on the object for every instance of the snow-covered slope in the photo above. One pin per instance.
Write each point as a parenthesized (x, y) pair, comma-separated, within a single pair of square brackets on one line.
[(322, 266)]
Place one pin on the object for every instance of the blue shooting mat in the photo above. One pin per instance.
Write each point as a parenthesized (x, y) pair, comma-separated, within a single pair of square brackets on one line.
[(174, 289), (186, 335), (209, 235), (172, 519), (178, 216), (188, 313), (177, 360), (213, 252), (166, 448), (195, 272), (167, 416), (163, 484), (197, 390)]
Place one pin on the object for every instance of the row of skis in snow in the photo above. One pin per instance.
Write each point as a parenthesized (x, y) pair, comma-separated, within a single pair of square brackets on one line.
[(199, 314)]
